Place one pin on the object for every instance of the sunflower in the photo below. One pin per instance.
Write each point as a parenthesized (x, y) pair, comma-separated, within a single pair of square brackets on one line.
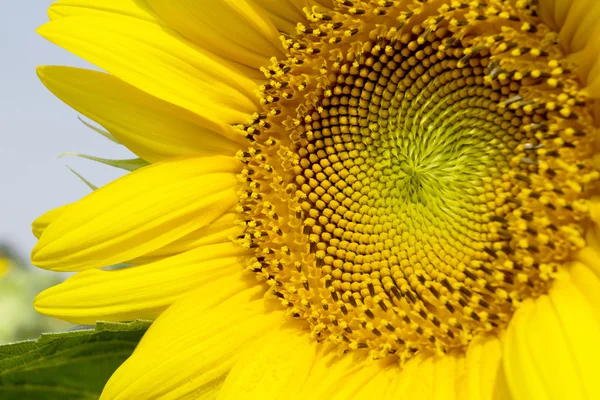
[(345, 199)]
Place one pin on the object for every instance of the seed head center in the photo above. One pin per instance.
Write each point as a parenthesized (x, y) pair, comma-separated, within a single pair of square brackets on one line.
[(416, 172)]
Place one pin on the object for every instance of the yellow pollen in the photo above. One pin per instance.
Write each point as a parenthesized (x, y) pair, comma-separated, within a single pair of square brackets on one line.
[(415, 174)]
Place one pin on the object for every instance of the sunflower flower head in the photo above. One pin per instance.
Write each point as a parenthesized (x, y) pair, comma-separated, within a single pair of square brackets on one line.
[(412, 182)]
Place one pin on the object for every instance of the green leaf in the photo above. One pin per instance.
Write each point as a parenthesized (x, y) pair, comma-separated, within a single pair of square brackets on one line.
[(129, 165), (88, 183), (67, 366), (100, 131)]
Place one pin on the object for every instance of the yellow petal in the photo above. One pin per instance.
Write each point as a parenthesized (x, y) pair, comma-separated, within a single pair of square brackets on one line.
[(593, 78), (561, 11), (143, 11), (153, 129), (484, 378), (578, 24), (580, 34), (379, 386), (106, 8), (546, 8), (356, 377), (209, 24), (284, 14), (287, 14), (592, 236), (190, 348), (145, 291), (338, 376), (301, 5), (41, 223), (590, 256), (576, 19), (551, 349), (158, 61), (220, 230), (588, 284), (320, 4), (139, 213), (430, 378), (273, 367)]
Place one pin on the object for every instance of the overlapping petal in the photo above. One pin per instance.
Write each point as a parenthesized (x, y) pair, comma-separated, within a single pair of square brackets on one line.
[(286, 14), (430, 378), (588, 283), (198, 81), (41, 223), (483, 377), (334, 374), (139, 213), (152, 128), (103, 8), (551, 347), (273, 367), (191, 347), (578, 24), (475, 376), (380, 386), (221, 230), (145, 291), (237, 30)]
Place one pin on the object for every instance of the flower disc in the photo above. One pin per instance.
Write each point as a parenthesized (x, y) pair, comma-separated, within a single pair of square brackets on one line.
[(417, 172)]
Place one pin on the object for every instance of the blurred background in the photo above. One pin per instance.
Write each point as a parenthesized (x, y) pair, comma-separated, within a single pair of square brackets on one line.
[(35, 129)]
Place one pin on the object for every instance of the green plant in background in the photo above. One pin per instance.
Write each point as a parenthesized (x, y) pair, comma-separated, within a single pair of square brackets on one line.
[(18, 286), (72, 365)]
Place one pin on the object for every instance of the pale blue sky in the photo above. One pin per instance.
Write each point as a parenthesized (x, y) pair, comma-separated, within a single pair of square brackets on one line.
[(35, 128)]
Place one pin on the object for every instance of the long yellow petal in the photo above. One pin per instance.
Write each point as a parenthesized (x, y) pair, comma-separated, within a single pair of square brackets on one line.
[(430, 378), (220, 230), (588, 284), (561, 11), (590, 256), (209, 24), (351, 376), (190, 348), (145, 291), (577, 19), (377, 386), (484, 378), (286, 14), (139, 213), (152, 128), (41, 223), (546, 11), (158, 61), (356, 377), (273, 367), (578, 25), (577, 22), (143, 11), (551, 349), (308, 4), (102, 8)]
